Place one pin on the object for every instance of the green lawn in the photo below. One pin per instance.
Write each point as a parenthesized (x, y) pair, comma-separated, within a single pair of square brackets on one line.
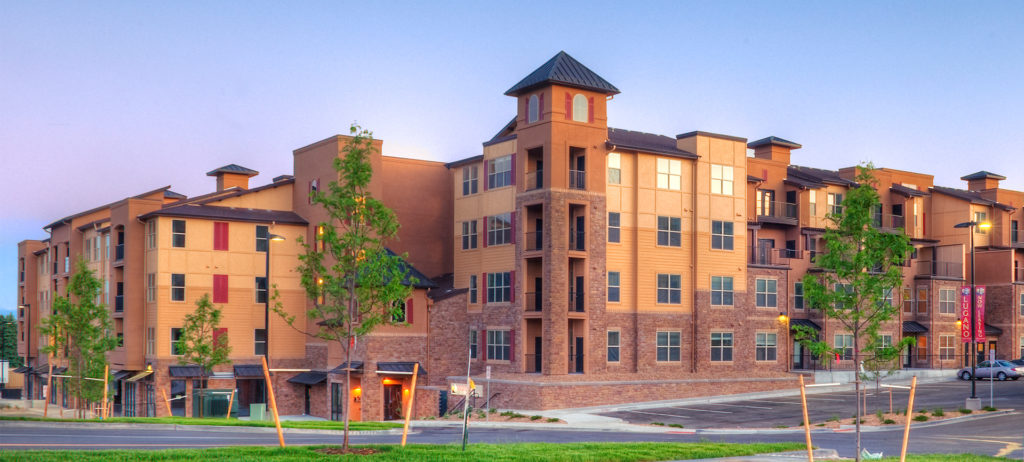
[(541, 452), (321, 424)]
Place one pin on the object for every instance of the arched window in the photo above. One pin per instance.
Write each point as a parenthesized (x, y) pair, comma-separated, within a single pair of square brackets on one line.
[(532, 109), (579, 108)]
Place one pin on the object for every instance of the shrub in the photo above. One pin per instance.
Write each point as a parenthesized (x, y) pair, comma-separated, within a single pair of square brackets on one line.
[(964, 410), (879, 414), (493, 410), (536, 417), (777, 426), (988, 408), (553, 420), (888, 421), (658, 423), (921, 418), (821, 425), (922, 411), (834, 418), (676, 425), (938, 412)]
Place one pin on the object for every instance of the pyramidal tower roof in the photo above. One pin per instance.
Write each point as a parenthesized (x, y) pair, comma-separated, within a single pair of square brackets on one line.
[(563, 69)]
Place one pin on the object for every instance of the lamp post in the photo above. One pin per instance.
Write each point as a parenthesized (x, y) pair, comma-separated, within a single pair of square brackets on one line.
[(28, 345), (784, 322), (973, 402), (266, 299)]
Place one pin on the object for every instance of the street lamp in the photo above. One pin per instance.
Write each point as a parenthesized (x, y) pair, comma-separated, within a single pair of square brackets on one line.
[(973, 402), (266, 299)]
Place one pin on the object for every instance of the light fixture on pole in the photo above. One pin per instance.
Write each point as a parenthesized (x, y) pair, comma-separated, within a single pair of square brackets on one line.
[(973, 402), (266, 298)]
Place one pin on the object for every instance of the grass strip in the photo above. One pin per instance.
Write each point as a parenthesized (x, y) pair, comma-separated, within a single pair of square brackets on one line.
[(307, 424)]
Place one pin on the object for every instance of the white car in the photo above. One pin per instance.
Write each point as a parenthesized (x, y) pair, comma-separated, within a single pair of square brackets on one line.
[(998, 369)]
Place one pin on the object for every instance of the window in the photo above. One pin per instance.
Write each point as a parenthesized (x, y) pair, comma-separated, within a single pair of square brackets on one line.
[(922, 348), (259, 344), (721, 235), (613, 286), (613, 346), (220, 288), (469, 177), (668, 346), (580, 112), (85, 245), (922, 300), (839, 288), (150, 341), (798, 296), (499, 229), (669, 174), (767, 294), (151, 287), (150, 235), (887, 298), (1014, 230), (314, 187), (1021, 308), (947, 347), (499, 345), (177, 233), (721, 179), (106, 246), (472, 343), (844, 346), (980, 217), (469, 235), (220, 235), (401, 314), (176, 341), (499, 172), (532, 109), (947, 301), (472, 288), (835, 204), (96, 247), (668, 231), (614, 227), (766, 346), (614, 168), (721, 290), (812, 202), (499, 287), (262, 238), (908, 300), (721, 346), (177, 287), (261, 289), (669, 289)]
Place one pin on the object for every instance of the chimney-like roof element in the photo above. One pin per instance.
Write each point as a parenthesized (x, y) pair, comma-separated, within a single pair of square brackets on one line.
[(562, 69)]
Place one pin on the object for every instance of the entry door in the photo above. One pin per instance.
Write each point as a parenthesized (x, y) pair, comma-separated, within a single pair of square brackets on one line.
[(579, 355), (764, 249), (538, 348), (538, 233), (765, 202), (580, 222), (540, 174), (392, 402), (798, 355), (538, 294), (992, 349), (178, 391), (337, 405), (307, 400), (579, 294)]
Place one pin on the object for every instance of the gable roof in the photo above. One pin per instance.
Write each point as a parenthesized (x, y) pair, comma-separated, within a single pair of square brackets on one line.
[(227, 213), (564, 70), (233, 168), (970, 196), (817, 175), (424, 282), (646, 142), (909, 192), (774, 140), (67, 219), (983, 175)]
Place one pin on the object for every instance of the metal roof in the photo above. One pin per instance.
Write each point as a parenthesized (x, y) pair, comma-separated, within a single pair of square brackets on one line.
[(400, 367), (646, 142), (983, 175), (970, 196), (564, 70), (991, 330), (805, 323), (309, 378), (233, 168), (228, 213), (248, 370), (909, 192), (357, 367), (774, 140), (913, 327), (185, 371), (817, 175)]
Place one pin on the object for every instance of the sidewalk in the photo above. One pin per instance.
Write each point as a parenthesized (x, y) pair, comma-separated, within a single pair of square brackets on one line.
[(795, 456)]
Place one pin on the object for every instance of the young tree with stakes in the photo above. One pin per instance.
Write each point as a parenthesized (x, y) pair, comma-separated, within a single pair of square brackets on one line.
[(355, 282), (200, 344), (81, 327), (862, 268)]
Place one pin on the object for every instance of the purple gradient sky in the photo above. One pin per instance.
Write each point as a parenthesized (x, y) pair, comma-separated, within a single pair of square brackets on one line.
[(103, 100)]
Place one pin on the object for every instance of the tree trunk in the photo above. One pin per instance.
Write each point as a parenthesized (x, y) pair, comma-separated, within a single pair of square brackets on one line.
[(348, 358), (856, 384)]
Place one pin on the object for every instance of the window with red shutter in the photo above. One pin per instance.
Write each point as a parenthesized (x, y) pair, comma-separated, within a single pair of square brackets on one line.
[(512, 286), (484, 238), (483, 340), (486, 174), (217, 333), (220, 288), (512, 173), (540, 107), (512, 345), (408, 311), (484, 291), (568, 106), (512, 219), (590, 110), (220, 235)]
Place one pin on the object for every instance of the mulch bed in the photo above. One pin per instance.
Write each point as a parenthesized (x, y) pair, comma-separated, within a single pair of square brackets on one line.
[(342, 452)]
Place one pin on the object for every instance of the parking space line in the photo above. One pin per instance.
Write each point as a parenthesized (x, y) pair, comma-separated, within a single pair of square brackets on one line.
[(825, 399), (658, 413), (700, 410), (776, 402), (740, 405)]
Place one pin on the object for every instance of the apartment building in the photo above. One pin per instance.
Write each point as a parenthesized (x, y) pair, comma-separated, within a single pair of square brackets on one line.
[(571, 263)]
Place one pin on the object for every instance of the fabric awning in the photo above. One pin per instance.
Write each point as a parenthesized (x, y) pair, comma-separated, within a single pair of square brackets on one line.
[(309, 378), (249, 371), (357, 367), (400, 368), (991, 330), (805, 323), (913, 327), (139, 376), (120, 375), (185, 371)]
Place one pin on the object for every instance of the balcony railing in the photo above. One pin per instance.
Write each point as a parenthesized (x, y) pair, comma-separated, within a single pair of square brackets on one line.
[(534, 240), (577, 179), (119, 304), (1018, 274), (534, 180), (533, 364), (576, 363), (889, 222), (777, 212), (772, 257), (949, 269), (21, 276), (119, 252), (534, 301), (575, 301), (577, 239)]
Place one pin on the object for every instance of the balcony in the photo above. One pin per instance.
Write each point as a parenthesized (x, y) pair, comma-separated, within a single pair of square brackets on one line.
[(889, 223), (576, 363), (777, 212), (534, 302), (119, 252), (533, 364), (534, 241), (21, 276), (575, 302), (1018, 275), (534, 180), (577, 239), (577, 179), (772, 257), (119, 304), (944, 269)]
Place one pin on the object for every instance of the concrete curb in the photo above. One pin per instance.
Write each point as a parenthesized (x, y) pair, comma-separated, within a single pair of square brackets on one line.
[(819, 454), (175, 427)]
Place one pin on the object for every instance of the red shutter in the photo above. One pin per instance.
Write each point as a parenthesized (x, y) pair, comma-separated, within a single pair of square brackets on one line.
[(764, 173), (309, 189), (513, 225), (220, 235), (568, 106), (220, 288), (513, 172), (216, 336), (480, 234), (485, 175), (540, 106), (590, 110), (512, 345), (483, 344), (512, 286), (483, 291), (408, 311), (484, 237)]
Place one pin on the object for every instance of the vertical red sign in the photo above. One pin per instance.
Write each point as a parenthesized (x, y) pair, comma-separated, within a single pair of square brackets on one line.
[(979, 313), (965, 314)]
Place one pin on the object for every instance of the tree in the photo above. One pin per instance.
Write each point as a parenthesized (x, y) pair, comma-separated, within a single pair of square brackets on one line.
[(861, 270), (356, 283), (9, 341), (201, 343), (81, 328)]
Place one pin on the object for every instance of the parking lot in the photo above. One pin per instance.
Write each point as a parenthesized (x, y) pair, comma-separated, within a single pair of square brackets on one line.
[(786, 411)]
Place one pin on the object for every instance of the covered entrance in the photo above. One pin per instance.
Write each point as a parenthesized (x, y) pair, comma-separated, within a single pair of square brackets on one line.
[(917, 355), (307, 380), (395, 382), (801, 356), (251, 386), (338, 391)]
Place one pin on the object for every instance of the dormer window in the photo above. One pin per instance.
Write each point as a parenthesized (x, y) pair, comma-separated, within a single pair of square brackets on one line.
[(532, 109), (580, 111)]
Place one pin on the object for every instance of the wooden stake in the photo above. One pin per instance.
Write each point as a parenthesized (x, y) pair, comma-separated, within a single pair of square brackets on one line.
[(49, 386), (106, 373), (273, 402), (231, 401), (412, 395), (807, 422), (167, 402), (906, 428)]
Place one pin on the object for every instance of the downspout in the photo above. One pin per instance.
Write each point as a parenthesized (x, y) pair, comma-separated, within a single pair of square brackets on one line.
[(693, 270)]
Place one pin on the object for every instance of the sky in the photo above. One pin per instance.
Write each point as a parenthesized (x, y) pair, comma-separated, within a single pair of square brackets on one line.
[(104, 100)]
